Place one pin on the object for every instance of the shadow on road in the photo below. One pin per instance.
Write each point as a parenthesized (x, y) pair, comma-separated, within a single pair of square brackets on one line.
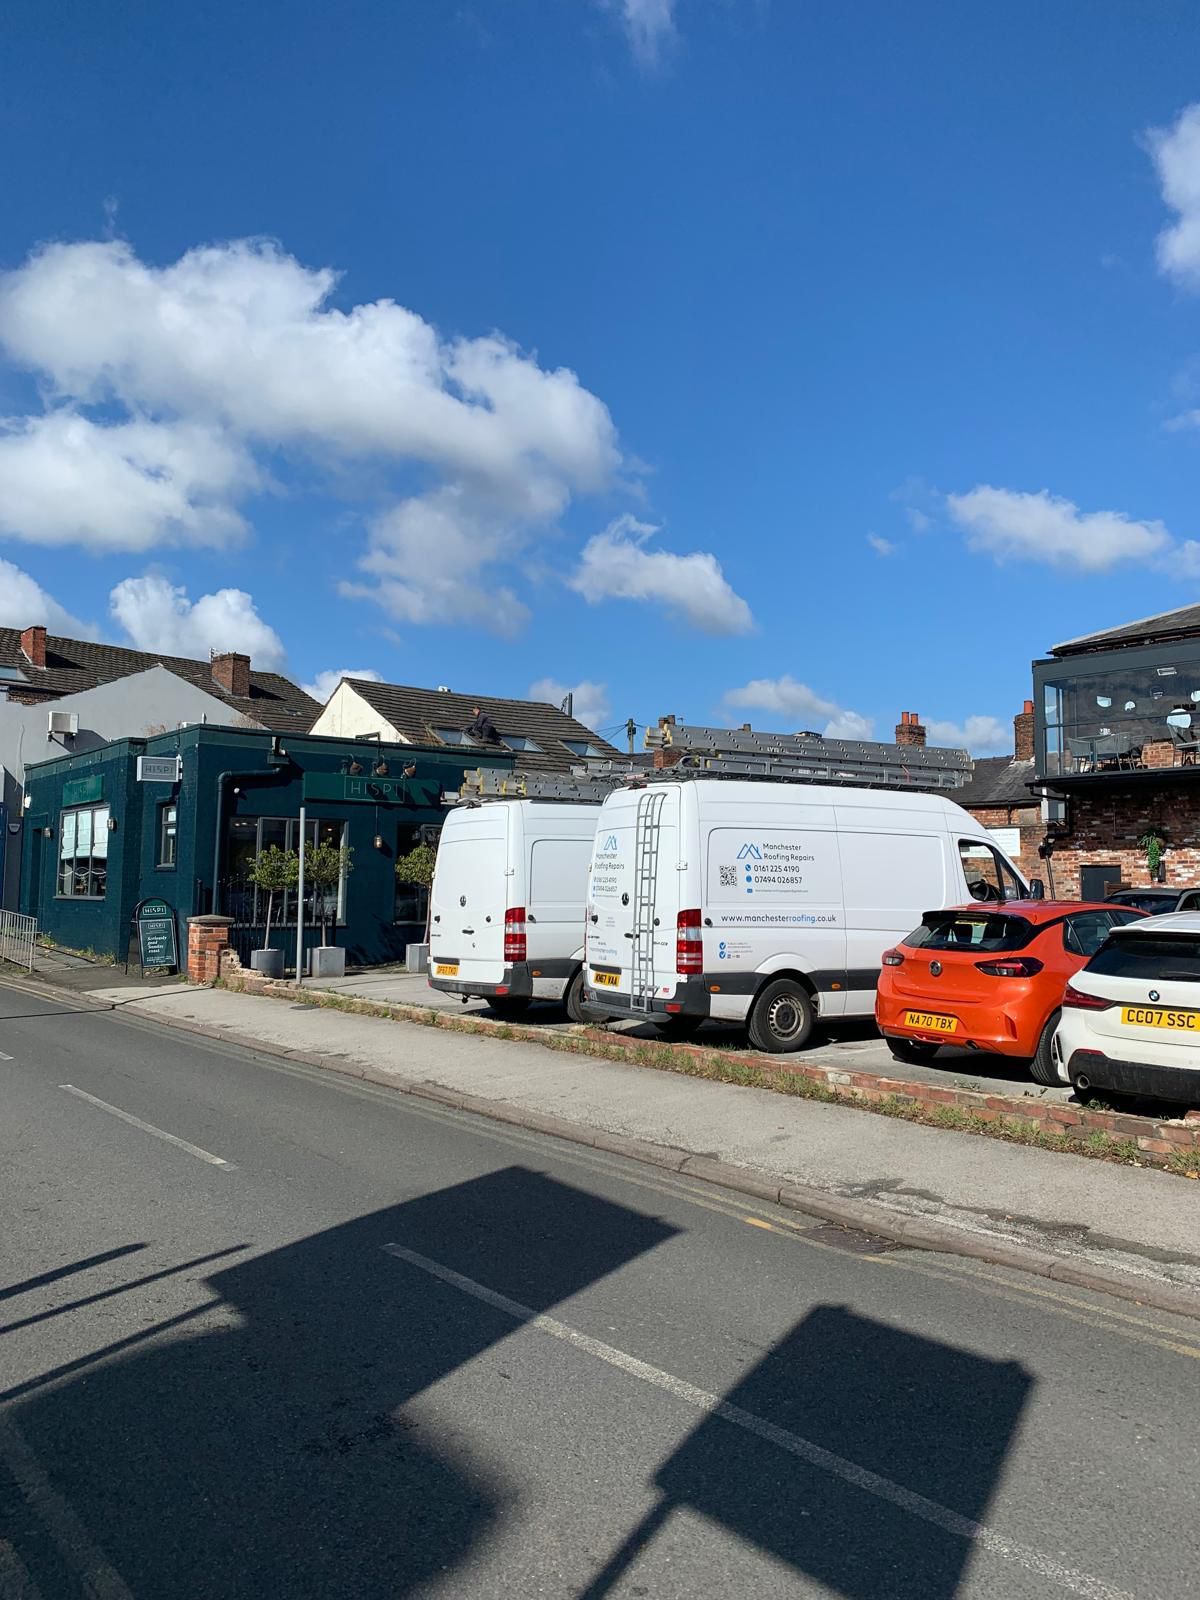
[(878, 1421), (276, 1458)]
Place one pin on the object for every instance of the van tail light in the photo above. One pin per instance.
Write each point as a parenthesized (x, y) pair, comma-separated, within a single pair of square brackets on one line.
[(689, 944), (514, 934), (1010, 967), (893, 958), (1076, 1000)]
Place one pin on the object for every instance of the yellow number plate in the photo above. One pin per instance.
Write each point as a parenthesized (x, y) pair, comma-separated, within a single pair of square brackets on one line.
[(930, 1021), (606, 980), (445, 969), (1152, 1017)]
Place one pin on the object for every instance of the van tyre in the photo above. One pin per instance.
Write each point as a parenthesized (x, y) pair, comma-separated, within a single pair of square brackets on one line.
[(1044, 1068), (912, 1052), (508, 1007), (573, 999), (782, 1017)]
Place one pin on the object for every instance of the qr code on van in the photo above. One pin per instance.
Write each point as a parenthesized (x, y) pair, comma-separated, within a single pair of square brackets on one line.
[(729, 877)]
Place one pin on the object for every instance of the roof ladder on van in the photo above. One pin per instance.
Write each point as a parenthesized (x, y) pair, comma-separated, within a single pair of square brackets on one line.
[(487, 783), (647, 834)]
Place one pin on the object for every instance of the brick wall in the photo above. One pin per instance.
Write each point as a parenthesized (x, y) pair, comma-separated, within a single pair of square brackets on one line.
[(1105, 828), (1029, 819)]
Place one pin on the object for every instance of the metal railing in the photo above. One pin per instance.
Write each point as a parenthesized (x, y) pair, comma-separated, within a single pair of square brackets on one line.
[(17, 934)]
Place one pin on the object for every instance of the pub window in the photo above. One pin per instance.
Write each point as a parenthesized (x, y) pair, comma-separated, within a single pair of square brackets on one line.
[(166, 833), (246, 839), (83, 853), (412, 899)]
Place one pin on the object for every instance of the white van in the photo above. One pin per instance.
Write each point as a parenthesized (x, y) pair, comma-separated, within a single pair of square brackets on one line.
[(506, 907), (769, 902)]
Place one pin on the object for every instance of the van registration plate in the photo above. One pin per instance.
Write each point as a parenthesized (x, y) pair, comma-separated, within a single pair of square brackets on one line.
[(1153, 1017), (445, 969), (930, 1021), (606, 980)]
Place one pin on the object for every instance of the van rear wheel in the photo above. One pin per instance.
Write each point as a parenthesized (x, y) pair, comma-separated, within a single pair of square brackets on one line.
[(782, 1017), (573, 999)]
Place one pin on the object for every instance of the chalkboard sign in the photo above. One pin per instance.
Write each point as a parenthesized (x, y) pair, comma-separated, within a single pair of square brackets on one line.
[(155, 921)]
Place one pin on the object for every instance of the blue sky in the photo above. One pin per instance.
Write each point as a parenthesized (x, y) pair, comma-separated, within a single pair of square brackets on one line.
[(744, 360)]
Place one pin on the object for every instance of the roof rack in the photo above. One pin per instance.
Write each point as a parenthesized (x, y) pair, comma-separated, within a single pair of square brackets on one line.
[(808, 757), (492, 783)]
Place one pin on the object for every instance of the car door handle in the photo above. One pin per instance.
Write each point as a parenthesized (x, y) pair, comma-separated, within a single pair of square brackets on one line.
[(595, 916), (468, 930), (531, 918), (631, 936)]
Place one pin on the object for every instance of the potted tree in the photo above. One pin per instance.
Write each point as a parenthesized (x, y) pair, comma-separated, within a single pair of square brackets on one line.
[(325, 865), (273, 872), (417, 868)]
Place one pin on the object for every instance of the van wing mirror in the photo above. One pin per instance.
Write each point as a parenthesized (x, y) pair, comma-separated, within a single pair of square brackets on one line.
[(1037, 889)]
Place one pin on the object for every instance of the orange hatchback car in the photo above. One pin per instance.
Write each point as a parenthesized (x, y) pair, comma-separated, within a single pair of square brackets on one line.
[(990, 978)]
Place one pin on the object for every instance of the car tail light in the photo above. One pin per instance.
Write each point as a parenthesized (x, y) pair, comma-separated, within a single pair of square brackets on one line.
[(1011, 967), (1076, 1000), (893, 958), (514, 934), (689, 944)]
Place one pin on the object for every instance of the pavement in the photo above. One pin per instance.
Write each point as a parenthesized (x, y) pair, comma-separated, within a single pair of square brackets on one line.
[(1135, 1229), (848, 1046), (269, 1330)]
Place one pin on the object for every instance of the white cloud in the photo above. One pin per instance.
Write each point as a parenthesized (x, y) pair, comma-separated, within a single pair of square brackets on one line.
[(159, 618), (786, 699), (1176, 154), (429, 559), (325, 683), (881, 546), (591, 706), (24, 603), (918, 520), (850, 725), (981, 735), (615, 565), (128, 486), (649, 25), (1042, 527)]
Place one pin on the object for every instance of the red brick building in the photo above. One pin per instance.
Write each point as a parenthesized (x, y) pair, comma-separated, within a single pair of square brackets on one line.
[(999, 796)]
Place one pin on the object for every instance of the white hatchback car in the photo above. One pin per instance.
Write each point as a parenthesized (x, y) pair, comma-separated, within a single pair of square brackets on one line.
[(1131, 1017)]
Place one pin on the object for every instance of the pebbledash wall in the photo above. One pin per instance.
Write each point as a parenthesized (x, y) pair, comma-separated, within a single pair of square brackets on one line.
[(239, 774)]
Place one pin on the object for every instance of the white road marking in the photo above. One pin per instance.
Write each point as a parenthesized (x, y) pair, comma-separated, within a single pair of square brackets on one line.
[(148, 1127), (3, 1057), (977, 1533), (99, 1578)]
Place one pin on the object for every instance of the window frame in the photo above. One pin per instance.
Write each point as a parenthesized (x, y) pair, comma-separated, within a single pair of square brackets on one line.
[(284, 915), (163, 864), (1004, 872), (91, 873)]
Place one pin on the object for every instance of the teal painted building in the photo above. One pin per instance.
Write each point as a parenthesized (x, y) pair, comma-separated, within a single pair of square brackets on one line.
[(96, 841)]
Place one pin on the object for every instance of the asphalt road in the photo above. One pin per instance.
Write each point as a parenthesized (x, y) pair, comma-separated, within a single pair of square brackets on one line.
[(266, 1332)]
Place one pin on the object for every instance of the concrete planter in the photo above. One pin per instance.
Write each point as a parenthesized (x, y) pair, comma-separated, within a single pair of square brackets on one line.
[(327, 961), (268, 962), (416, 958)]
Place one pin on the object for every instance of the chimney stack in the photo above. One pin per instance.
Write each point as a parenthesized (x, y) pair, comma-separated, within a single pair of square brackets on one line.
[(33, 646), (231, 672), (910, 730), (1023, 733)]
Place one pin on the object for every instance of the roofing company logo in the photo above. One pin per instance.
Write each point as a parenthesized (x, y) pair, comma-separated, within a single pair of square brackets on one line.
[(610, 843), (749, 852)]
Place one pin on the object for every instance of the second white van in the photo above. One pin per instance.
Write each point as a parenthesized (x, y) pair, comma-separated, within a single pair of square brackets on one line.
[(506, 906), (769, 903)]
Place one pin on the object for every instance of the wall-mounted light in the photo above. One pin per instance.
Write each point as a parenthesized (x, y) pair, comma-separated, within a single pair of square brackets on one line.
[(112, 824), (379, 841), (380, 768), (47, 833), (411, 770), (354, 768)]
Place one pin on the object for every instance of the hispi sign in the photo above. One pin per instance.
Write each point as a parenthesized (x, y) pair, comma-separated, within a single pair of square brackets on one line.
[(159, 769)]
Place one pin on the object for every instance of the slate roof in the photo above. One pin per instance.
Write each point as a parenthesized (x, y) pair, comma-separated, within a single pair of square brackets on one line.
[(998, 781), (73, 665), (1181, 623), (416, 714)]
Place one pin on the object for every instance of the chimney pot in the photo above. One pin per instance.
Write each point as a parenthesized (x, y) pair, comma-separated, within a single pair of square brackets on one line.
[(33, 646), (231, 672), (909, 730)]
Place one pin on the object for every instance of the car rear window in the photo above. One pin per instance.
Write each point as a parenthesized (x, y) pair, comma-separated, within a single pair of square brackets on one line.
[(1142, 956), (1144, 902), (969, 930)]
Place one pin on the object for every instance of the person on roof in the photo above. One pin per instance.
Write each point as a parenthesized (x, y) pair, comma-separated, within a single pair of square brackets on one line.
[(482, 729)]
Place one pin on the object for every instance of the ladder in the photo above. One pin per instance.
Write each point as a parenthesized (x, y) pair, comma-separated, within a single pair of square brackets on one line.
[(647, 833), (808, 758)]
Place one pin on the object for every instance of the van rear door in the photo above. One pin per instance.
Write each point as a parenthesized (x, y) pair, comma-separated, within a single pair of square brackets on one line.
[(634, 895), (470, 896)]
